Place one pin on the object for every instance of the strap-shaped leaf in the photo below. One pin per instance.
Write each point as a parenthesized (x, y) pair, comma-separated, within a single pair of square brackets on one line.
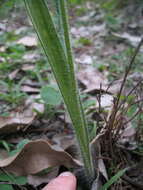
[(61, 62)]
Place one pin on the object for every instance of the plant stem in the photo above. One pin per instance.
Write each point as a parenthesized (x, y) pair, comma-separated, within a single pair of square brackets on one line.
[(61, 61), (86, 151)]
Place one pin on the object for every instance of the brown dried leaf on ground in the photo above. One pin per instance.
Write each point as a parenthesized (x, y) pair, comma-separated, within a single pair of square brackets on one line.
[(28, 67), (127, 138), (84, 59), (133, 40), (28, 41), (99, 163), (92, 78), (35, 157), (29, 89), (106, 102), (31, 57), (13, 74), (21, 118), (64, 141)]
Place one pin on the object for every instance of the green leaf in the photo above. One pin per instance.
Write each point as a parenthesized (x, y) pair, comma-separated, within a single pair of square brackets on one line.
[(61, 61), (19, 180), (6, 145), (113, 179), (50, 95), (6, 187), (22, 143), (19, 147), (5, 7)]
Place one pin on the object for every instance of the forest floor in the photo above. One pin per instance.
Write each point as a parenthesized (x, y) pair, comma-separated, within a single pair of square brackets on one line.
[(35, 128)]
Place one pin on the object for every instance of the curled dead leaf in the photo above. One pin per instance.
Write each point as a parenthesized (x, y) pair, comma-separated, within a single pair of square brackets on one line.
[(37, 156), (29, 89), (91, 78), (133, 40), (21, 118), (28, 41)]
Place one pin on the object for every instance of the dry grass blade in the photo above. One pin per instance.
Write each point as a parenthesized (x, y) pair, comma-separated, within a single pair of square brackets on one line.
[(116, 105)]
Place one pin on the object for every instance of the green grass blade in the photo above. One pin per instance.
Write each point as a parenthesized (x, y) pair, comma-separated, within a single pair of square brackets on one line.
[(59, 22), (63, 8), (113, 179), (62, 65)]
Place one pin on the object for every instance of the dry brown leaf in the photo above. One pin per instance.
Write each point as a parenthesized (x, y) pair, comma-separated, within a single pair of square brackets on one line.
[(2, 48), (35, 157), (92, 78), (106, 101), (84, 59), (14, 122), (81, 31), (97, 184), (28, 67), (26, 88), (99, 164), (31, 57), (13, 74), (127, 138), (21, 118), (134, 40), (28, 41), (3, 154), (64, 141)]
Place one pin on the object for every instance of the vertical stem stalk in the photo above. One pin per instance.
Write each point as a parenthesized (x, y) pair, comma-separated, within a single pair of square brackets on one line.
[(88, 162)]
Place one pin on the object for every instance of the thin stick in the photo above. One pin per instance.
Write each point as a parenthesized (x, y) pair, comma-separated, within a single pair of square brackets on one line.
[(115, 109)]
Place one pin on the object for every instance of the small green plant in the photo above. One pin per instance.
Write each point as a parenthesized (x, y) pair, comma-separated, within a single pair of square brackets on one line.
[(11, 149), (113, 179), (112, 22), (58, 50), (12, 179), (6, 177), (84, 41), (50, 95), (13, 96)]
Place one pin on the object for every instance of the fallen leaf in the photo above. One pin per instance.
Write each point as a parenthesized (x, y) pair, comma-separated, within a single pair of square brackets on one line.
[(80, 32), (64, 141), (22, 118), (15, 122), (29, 89), (134, 40), (28, 67), (84, 59), (97, 184), (99, 164), (2, 48), (13, 74), (127, 138), (31, 57), (106, 101), (37, 156), (28, 41), (92, 78)]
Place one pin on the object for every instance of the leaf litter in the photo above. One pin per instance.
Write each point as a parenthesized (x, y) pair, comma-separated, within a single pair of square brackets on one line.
[(90, 77), (37, 156)]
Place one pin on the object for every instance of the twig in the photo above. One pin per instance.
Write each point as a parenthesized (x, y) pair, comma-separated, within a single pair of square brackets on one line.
[(133, 182), (116, 106), (130, 92), (133, 117)]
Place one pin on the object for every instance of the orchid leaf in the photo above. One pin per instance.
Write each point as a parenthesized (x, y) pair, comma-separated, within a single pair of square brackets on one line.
[(61, 61)]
